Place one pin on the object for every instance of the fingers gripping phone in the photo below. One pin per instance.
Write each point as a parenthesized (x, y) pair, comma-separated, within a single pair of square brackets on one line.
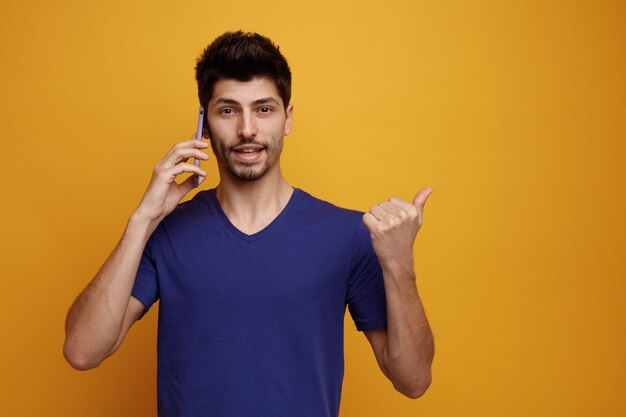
[(196, 161)]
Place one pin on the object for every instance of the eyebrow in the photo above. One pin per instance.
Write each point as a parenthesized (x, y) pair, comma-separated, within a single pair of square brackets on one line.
[(263, 100)]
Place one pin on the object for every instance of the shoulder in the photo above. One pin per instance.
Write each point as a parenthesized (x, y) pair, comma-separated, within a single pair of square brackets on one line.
[(201, 203), (327, 211), (340, 222), (197, 212)]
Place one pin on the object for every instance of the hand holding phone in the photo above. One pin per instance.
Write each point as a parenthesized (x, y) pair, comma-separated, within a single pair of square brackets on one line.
[(164, 193)]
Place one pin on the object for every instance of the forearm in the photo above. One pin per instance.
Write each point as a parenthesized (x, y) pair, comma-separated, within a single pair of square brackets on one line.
[(409, 349), (95, 319)]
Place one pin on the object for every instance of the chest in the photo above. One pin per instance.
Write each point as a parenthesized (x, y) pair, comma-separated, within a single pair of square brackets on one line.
[(295, 273)]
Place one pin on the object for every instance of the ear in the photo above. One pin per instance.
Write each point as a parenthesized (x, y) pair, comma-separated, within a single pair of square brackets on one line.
[(289, 119)]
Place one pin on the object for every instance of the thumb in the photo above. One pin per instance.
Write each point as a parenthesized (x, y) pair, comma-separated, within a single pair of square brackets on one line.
[(421, 196)]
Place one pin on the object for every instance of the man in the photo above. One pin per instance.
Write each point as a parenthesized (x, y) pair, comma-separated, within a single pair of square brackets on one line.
[(254, 276)]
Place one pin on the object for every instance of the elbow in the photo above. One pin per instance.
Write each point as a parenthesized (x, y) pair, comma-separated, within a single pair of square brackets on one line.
[(78, 360), (417, 393), (417, 389)]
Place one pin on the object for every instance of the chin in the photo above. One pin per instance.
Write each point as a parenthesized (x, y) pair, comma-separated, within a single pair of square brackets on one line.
[(248, 174)]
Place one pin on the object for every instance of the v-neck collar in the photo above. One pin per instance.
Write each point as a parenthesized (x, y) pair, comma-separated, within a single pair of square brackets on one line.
[(267, 229)]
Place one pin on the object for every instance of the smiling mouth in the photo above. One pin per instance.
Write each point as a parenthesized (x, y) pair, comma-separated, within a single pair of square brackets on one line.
[(248, 149), (248, 154)]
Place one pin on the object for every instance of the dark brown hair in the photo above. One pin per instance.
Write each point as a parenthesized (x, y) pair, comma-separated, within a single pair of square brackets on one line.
[(242, 56)]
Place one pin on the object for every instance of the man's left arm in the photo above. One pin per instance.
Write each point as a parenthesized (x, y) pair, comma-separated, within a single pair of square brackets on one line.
[(404, 351)]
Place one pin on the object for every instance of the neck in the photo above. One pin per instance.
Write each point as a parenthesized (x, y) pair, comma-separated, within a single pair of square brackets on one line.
[(253, 205)]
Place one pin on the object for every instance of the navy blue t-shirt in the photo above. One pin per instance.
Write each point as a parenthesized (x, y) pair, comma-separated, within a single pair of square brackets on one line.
[(252, 325)]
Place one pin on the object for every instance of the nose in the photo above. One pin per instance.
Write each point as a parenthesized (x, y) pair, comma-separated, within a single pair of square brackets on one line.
[(247, 126)]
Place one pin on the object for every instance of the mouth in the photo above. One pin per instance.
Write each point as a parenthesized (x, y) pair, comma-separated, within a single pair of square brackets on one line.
[(248, 148), (248, 153)]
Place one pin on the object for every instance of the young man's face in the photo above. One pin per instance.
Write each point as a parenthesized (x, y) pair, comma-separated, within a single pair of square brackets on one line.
[(247, 122)]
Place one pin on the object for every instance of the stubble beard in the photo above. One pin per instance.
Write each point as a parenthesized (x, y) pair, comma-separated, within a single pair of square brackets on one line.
[(247, 171)]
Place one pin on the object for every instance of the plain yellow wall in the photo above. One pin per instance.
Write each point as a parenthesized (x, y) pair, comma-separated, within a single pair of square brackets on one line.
[(513, 112)]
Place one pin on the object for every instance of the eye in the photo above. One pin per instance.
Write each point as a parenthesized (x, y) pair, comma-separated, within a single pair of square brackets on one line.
[(265, 109), (226, 111)]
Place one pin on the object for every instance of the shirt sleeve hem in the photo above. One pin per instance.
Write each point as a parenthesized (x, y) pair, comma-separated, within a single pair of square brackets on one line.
[(372, 325), (143, 298)]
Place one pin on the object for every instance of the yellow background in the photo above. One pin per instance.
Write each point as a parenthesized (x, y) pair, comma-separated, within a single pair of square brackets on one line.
[(513, 112)]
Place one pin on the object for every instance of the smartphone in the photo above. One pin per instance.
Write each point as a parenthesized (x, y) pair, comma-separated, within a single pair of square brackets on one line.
[(196, 161)]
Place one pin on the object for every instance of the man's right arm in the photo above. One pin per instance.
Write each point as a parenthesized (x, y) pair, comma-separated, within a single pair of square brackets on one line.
[(104, 311), (94, 322)]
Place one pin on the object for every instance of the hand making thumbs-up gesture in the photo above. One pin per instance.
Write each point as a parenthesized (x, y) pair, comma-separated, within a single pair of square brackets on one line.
[(393, 226)]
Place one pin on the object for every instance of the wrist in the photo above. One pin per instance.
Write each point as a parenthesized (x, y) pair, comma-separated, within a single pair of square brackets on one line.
[(398, 266), (399, 274), (141, 225)]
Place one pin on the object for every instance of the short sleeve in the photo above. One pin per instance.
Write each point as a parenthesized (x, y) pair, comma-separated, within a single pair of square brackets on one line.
[(366, 288), (146, 288)]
